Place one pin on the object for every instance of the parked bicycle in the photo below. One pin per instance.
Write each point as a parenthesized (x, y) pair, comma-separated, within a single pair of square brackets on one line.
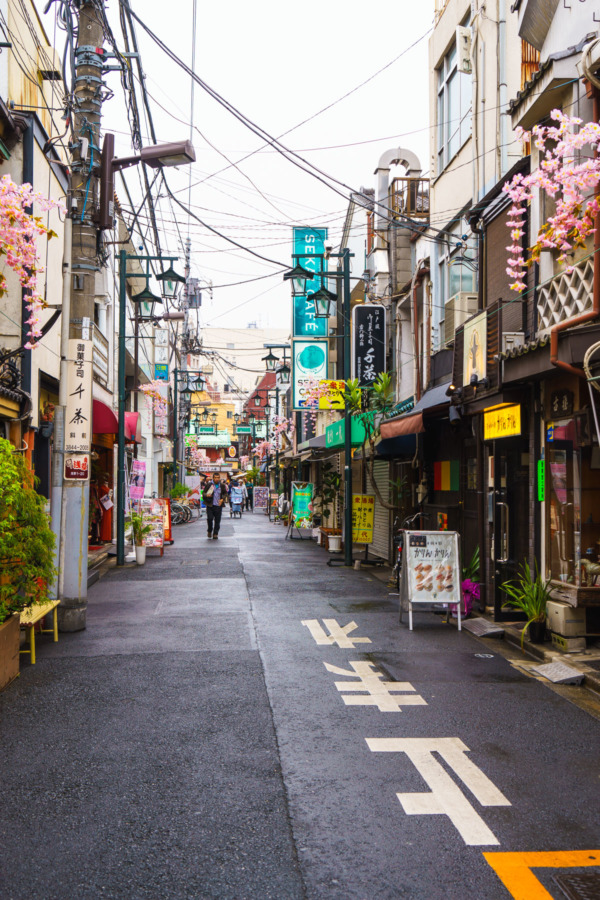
[(399, 531)]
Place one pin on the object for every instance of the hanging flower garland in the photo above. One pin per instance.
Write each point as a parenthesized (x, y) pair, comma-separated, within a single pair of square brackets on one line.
[(262, 449), (155, 403), (573, 187), (244, 460), (281, 426), (18, 231)]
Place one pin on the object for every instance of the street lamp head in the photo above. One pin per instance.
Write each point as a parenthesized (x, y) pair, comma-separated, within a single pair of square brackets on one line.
[(213, 418), (325, 303), (179, 153), (284, 373), (251, 418), (298, 276), (270, 361), (170, 279)]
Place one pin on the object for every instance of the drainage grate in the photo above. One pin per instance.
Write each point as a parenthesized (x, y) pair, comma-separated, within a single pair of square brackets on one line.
[(482, 628), (580, 887), (194, 562)]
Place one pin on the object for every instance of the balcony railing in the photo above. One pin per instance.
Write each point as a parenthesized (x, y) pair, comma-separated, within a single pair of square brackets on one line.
[(566, 295), (100, 357), (410, 197)]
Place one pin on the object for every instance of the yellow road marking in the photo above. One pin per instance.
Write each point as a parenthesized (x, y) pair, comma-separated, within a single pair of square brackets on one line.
[(514, 869)]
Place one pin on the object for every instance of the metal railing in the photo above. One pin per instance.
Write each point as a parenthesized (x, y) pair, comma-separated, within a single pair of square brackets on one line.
[(410, 197)]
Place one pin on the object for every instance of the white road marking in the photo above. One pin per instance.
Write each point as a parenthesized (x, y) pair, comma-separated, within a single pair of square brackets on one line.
[(379, 691), (446, 798), (337, 634)]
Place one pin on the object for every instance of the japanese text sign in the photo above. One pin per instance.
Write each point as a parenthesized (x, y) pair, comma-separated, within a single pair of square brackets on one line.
[(504, 421), (78, 417), (363, 512), (334, 398), (368, 338), (432, 566), (302, 494)]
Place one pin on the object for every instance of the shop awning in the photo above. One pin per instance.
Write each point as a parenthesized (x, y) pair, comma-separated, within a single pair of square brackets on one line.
[(104, 420), (133, 427), (413, 422)]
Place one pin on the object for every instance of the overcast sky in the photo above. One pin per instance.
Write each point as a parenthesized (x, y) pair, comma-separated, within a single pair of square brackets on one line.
[(278, 63)]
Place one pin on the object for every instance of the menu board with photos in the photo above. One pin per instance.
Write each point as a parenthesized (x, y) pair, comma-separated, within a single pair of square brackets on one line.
[(432, 566), (153, 511)]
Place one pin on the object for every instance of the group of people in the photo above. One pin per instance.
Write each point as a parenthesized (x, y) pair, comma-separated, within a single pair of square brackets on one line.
[(219, 491)]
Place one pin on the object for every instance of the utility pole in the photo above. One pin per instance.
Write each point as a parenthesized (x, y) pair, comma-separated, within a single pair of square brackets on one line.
[(78, 319), (185, 307)]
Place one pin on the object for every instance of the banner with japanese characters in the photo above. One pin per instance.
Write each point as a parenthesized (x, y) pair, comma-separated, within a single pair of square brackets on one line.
[(363, 514), (78, 419), (432, 566), (368, 342)]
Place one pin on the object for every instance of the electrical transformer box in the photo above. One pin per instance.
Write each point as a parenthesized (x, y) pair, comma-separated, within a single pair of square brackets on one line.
[(564, 619)]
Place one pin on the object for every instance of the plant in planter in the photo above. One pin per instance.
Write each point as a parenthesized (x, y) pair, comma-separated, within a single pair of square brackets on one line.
[(138, 530), (529, 595), (26, 548), (470, 583), (179, 490)]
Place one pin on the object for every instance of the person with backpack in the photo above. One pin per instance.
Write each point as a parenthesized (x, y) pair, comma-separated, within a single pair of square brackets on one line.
[(214, 495)]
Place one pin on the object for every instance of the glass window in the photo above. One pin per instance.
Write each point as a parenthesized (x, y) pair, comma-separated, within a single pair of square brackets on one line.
[(453, 109)]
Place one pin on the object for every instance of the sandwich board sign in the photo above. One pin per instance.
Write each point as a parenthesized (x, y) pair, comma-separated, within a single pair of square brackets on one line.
[(431, 572)]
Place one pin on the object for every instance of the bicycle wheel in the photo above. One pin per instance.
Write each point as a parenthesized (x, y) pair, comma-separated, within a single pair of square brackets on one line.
[(177, 516)]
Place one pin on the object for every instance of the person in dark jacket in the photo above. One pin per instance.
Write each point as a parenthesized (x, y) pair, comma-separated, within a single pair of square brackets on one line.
[(214, 496)]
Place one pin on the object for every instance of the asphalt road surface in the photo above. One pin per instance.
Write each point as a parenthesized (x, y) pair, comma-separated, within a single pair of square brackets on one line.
[(240, 720)]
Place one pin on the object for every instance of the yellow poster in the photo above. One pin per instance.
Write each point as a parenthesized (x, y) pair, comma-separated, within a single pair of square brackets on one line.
[(363, 511), (334, 399)]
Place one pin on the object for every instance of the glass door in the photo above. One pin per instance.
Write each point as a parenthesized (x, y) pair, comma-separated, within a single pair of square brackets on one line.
[(509, 514)]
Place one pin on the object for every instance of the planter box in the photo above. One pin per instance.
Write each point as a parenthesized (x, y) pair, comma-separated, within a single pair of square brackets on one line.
[(10, 635), (325, 532)]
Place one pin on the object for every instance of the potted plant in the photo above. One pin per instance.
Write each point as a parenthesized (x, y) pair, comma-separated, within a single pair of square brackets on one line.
[(470, 589), (179, 490), (529, 595), (26, 553), (138, 530), (325, 495)]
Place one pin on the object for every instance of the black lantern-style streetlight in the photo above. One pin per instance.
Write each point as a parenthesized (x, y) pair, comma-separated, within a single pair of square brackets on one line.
[(213, 418), (325, 303), (150, 301), (298, 276), (284, 373), (205, 415), (270, 361), (169, 280)]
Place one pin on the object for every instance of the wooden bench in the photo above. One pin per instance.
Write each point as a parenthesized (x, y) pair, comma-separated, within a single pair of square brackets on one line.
[(29, 619)]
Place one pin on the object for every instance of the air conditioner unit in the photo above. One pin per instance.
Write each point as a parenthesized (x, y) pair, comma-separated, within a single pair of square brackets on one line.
[(512, 339), (458, 309)]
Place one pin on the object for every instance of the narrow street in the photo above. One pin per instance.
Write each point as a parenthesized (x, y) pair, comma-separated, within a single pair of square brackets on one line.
[(204, 738)]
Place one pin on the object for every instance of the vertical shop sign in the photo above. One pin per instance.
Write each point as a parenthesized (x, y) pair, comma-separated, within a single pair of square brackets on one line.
[(368, 337), (363, 512), (78, 420), (302, 494), (309, 366), (309, 246)]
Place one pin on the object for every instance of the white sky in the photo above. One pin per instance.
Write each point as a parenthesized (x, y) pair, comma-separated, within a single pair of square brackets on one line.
[(278, 63)]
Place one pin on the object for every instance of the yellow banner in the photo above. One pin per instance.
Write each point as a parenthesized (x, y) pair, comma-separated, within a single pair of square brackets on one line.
[(501, 422), (363, 511), (334, 399)]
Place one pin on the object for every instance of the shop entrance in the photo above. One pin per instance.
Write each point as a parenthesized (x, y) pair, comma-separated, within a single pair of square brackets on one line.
[(508, 515)]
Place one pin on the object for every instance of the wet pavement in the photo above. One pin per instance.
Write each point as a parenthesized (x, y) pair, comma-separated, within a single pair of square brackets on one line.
[(214, 734)]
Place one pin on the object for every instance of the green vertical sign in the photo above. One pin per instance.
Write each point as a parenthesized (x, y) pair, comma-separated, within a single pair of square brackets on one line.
[(309, 245), (541, 480), (302, 494)]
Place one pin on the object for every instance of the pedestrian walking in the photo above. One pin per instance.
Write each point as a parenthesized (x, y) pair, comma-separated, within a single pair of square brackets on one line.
[(237, 497), (214, 496), (250, 497)]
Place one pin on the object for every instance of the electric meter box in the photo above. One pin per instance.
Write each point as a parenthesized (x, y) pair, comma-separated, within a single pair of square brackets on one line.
[(564, 619)]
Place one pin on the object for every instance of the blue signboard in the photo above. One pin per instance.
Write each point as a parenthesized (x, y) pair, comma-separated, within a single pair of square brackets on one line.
[(309, 244), (161, 372)]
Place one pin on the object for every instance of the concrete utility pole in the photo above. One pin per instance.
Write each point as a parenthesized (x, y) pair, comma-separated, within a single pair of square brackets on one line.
[(78, 318)]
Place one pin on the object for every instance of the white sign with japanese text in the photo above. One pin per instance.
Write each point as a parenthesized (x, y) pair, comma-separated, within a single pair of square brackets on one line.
[(78, 418), (432, 564)]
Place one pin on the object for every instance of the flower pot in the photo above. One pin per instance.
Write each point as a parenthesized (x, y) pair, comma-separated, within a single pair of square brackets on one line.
[(335, 543), (140, 555), (10, 633), (536, 632)]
